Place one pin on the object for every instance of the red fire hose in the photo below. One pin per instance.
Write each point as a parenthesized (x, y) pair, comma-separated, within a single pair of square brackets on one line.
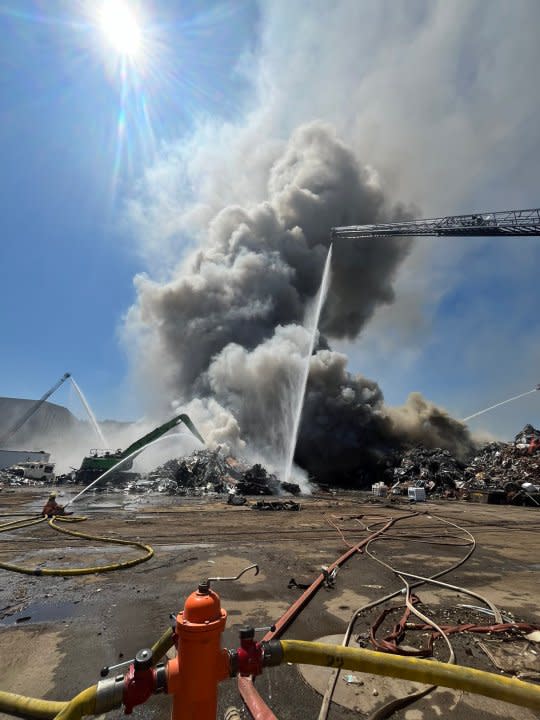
[(258, 709)]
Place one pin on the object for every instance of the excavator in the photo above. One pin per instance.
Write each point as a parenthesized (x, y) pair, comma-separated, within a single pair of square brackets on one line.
[(99, 461)]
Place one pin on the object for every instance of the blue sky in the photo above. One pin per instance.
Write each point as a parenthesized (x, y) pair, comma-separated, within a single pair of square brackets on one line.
[(67, 265), (435, 95)]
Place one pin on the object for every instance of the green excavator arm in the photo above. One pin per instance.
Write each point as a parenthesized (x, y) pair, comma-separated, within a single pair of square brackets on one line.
[(161, 430), (94, 465)]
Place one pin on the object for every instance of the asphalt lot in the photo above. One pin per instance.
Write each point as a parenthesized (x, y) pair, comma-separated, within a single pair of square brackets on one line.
[(56, 633)]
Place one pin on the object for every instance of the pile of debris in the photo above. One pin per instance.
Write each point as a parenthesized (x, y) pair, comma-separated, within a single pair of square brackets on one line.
[(10, 478), (499, 473), (210, 471), (276, 505), (435, 470), (510, 468), (528, 439)]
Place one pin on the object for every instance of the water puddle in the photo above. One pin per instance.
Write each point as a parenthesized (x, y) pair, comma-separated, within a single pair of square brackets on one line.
[(41, 612), (184, 546)]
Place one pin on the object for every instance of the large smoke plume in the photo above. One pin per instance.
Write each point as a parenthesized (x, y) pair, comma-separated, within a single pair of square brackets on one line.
[(225, 337)]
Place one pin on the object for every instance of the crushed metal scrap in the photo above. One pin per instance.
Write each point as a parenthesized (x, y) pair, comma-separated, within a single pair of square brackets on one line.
[(276, 505), (210, 471), (202, 473), (499, 473)]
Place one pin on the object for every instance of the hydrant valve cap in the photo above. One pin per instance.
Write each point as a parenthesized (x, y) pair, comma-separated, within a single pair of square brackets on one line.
[(143, 659)]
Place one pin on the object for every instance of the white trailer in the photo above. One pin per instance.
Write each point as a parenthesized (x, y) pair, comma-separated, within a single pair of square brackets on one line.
[(14, 457), (34, 471)]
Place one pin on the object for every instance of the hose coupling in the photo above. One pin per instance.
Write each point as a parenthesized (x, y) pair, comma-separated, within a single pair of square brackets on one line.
[(248, 658), (272, 653), (252, 656), (110, 693), (142, 681)]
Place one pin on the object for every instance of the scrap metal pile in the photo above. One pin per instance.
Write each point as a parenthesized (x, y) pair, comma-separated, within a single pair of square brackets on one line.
[(504, 472), (499, 472), (210, 471), (435, 470), (13, 478)]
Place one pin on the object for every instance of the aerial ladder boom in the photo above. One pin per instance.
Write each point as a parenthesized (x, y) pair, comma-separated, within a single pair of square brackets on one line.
[(32, 409), (490, 224)]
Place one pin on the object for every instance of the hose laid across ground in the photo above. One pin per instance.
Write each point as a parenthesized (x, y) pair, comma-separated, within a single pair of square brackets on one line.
[(258, 709), (29, 707), (82, 704), (431, 672), (66, 572), (37, 709), (385, 710), (24, 522)]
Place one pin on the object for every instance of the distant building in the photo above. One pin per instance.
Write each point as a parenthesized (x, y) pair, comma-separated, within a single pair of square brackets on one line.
[(49, 423), (54, 429)]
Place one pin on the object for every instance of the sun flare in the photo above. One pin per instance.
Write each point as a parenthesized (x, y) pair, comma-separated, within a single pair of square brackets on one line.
[(121, 28)]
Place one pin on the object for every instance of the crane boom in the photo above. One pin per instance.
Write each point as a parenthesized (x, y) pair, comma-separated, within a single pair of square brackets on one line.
[(33, 409), (507, 222)]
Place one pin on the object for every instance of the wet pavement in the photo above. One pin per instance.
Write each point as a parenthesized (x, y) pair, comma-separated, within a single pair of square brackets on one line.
[(77, 625)]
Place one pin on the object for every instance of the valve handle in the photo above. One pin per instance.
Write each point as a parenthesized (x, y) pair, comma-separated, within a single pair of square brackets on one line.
[(141, 661), (266, 628), (231, 579), (113, 668), (248, 632)]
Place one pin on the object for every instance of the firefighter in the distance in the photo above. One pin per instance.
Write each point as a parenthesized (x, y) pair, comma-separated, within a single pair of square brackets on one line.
[(52, 508)]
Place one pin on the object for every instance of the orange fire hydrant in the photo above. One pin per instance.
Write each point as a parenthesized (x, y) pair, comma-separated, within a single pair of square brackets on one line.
[(201, 663)]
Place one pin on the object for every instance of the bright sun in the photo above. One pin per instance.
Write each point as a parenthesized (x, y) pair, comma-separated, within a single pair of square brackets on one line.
[(120, 27)]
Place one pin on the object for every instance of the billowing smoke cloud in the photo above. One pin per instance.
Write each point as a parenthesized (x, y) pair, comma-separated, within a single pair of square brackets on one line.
[(224, 335), (347, 429)]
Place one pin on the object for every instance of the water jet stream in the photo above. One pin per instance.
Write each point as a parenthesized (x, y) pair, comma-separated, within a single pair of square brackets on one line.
[(121, 462), (90, 414), (321, 297), (492, 407)]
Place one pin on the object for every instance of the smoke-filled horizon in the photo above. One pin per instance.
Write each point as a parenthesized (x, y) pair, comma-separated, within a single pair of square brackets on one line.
[(357, 110), (224, 336), (191, 146)]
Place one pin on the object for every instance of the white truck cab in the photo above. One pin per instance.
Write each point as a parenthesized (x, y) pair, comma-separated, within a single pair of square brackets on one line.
[(34, 471)]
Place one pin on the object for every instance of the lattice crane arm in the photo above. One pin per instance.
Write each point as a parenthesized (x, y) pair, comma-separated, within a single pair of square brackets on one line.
[(31, 410), (507, 222)]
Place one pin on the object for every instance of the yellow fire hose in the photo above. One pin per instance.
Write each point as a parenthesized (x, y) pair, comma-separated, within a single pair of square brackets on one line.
[(24, 522), (64, 572), (28, 707), (311, 653), (429, 672), (81, 704)]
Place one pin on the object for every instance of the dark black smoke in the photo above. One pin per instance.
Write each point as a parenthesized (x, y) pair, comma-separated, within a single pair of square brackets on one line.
[(348, 433), (225, 335)]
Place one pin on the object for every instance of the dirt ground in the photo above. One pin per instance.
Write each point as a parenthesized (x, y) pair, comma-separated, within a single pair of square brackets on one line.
[(56, 633)]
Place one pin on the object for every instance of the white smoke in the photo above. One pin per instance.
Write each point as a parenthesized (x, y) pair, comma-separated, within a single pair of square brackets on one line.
[(407, 91), (225, 333)]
